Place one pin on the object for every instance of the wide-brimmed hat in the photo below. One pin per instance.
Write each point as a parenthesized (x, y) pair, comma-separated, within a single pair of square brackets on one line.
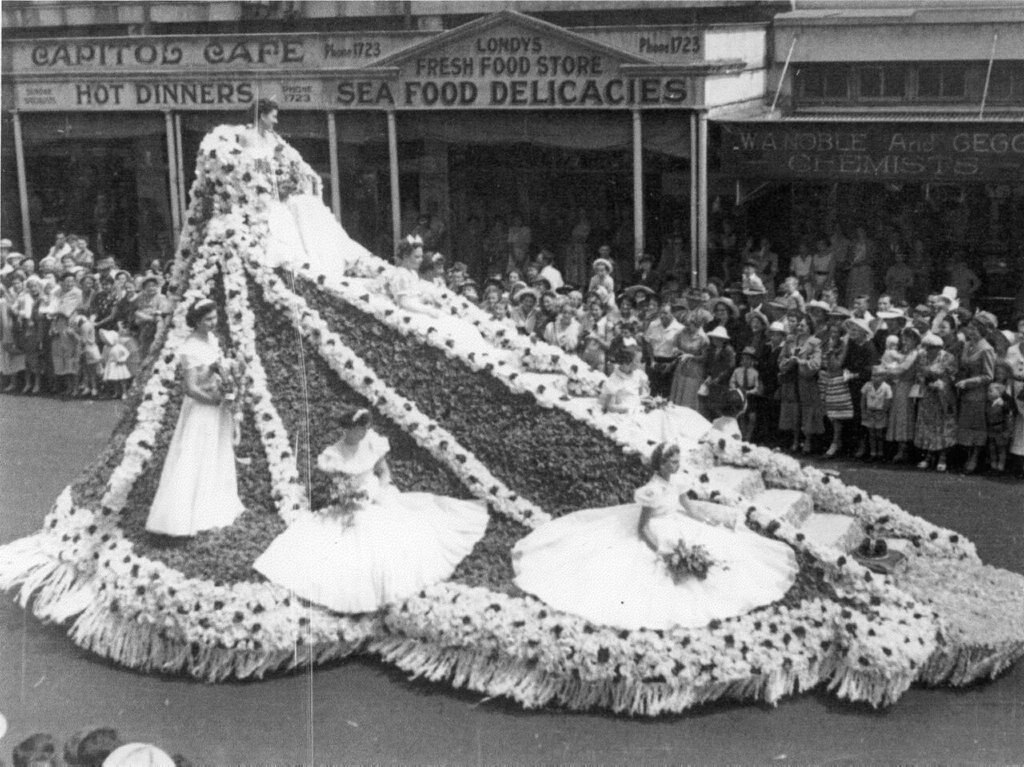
[(987, 320), (750, 351), (607, 264), (719, 331), (840, 313), (136, 754), (728, 303), (891, 314), (634, 290), (5, 243), (524, 291), (856, 323), (931, 339), (19, 257), (817, 304), (776, 327)]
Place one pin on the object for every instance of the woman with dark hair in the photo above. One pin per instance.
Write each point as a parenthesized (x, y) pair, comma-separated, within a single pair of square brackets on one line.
[(609, 565), (198, 487), (805, 358), (373, 545), (835, 391)]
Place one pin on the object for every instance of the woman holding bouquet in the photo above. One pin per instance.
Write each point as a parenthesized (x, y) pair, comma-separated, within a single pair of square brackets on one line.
[(198, 487), (663, 561), (373, 545)]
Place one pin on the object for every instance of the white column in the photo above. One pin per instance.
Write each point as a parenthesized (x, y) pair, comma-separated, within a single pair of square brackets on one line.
[(332, 151), (396, 202), (172, 169), (19, 157), (694, 211), (702, 198), (638, 187)]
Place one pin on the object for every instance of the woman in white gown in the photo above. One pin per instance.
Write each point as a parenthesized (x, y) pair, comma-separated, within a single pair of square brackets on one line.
[(198, 486), (405, 287), (374, 545), (607, 565), (627, 388), (301, 228)]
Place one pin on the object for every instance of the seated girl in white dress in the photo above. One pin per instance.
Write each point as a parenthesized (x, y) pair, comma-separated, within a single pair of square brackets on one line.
[(405, 287), (608, 565), (626, 391), (198, 487), (374, 545)]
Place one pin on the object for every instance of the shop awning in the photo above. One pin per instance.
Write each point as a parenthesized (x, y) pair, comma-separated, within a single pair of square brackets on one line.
[(959, 115)]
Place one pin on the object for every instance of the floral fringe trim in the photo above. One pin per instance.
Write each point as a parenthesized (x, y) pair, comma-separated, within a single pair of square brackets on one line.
[(960, 665), (532, 687)]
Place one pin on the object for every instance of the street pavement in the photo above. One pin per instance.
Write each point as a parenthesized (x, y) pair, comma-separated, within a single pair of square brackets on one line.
[(362, 711)]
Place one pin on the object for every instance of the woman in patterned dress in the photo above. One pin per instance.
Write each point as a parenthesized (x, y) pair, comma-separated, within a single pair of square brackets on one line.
[(935, 430)]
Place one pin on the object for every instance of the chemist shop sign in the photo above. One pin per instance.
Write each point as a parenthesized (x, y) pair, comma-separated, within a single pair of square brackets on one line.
[(921, 152), (513, 66)]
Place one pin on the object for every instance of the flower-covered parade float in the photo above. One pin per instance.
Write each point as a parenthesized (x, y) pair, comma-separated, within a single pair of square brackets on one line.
[(879, 599)]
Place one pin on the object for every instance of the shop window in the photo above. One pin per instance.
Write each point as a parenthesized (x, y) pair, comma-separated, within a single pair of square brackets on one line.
[(941, 81), (1006, 85), (881, 82), (822, 83)]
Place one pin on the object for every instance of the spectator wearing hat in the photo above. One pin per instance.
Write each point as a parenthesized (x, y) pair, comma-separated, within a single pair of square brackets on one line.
[(768, 374), (901, 377), (33, 328), (602, 277), (692, 344), (726, 314), (11, 262), (67, 298), (524, 310), (861, 357), (977, 370), (149, 311), (719, 362), (876, 403), (935, 430), (661, 338)]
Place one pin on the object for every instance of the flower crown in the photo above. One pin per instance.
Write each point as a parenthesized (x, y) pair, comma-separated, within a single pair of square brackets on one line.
[(413, 240)]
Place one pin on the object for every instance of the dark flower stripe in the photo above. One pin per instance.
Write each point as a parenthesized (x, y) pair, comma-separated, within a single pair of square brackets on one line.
[(557, 462), (412, 467)]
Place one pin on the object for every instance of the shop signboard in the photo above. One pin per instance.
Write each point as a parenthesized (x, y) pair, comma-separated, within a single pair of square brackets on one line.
[(852, 152), (512, 65)]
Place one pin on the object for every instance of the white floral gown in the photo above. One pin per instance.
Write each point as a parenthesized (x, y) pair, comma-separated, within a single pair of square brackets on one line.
[(402, 283), (198, 485), (593, 563), (391, 546)]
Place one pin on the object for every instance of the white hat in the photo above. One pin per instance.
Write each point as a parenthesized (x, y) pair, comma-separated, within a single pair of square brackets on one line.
[(753, 286), (776, 327), (5, 243), (719, 331), (931, 339), (604, 261), (138, 755), (857, 322), (891, 314), (817, 304)]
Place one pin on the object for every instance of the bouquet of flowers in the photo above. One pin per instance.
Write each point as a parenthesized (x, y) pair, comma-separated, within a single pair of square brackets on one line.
[(230, 374), (685, 561), (346, 498)]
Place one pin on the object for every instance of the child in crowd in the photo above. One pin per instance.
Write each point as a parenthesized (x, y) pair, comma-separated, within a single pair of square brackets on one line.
[(876, 399), (999, 422), (115, 363), (593, 353), (746, 379), (65, 353), (90, 364), (892, 357)]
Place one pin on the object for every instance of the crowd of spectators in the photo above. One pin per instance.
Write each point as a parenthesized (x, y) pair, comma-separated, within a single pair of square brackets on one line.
[(97, 747), (75, 324), (902, 376)]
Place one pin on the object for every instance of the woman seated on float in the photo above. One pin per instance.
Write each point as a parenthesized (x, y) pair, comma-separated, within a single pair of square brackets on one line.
[(626, 394), (374, 544), (621, 565)]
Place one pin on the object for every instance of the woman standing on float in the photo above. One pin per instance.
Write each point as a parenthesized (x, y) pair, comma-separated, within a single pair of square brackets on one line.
[(198, 487)]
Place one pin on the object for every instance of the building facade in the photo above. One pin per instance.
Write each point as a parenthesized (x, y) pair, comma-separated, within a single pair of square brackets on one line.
[(582, 122)]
